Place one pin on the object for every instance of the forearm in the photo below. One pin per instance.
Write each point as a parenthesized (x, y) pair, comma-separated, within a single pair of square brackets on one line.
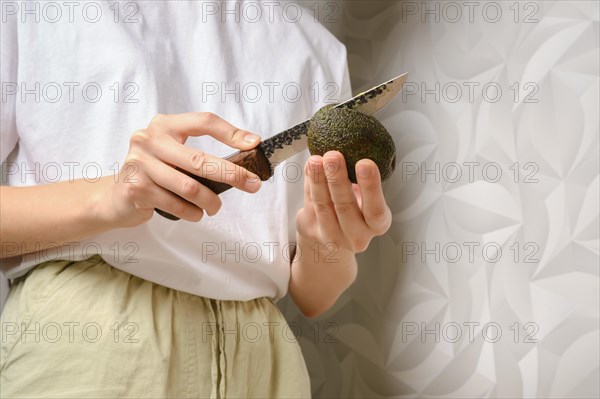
[(319, 278), (72, 211), (48, 215)]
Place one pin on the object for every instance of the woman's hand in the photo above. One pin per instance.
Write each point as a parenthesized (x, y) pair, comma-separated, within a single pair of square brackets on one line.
[(148, 178), (338, 212), (53, 214)]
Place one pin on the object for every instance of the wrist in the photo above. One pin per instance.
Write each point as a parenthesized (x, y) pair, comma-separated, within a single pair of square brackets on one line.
[(319, 276), (100, 210)]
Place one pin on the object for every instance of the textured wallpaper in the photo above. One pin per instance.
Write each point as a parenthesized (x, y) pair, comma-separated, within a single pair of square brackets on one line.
[(487, 283)]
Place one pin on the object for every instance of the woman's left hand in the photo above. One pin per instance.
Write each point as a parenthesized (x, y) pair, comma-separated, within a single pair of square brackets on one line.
[(338, 212)]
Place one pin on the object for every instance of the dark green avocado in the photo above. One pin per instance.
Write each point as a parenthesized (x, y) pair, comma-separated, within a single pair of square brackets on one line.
[(356, 135)]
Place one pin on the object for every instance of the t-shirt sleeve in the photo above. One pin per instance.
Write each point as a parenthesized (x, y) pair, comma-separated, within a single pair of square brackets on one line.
[(8, 78)]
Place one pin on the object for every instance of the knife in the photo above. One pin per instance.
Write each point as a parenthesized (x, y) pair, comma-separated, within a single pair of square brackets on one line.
[(263, 159)]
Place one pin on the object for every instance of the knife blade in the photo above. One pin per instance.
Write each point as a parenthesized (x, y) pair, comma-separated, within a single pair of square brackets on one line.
[(294, 140), (263, 159)]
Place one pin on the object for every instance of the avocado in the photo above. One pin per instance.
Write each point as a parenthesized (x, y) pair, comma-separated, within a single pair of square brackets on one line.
[(356, 135)]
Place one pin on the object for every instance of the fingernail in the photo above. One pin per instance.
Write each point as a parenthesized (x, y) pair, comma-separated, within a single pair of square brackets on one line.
[(253, 182), (251, 138), (332, 167), (364, 171), (314, 168)]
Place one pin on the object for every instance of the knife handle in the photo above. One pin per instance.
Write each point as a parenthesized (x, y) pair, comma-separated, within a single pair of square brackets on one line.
[(253, 160)]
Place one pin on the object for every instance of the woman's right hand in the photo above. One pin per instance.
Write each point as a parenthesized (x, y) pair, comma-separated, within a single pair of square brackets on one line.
[(148, 178)]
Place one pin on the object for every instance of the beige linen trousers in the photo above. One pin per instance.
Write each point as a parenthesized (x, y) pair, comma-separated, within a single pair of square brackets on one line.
[(87, 330)]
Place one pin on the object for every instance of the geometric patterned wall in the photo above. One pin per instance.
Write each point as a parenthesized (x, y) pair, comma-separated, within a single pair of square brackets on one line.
[(487, 284)]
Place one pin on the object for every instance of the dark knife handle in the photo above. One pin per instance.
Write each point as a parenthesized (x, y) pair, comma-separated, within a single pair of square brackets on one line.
[(254, 160)]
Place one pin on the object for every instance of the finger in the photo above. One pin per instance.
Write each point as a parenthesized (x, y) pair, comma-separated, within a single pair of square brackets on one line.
[(356, 190), (374, 208), (305, 217), (183, 186), (180, 126), (346, 207), (208, 166), (307, 198), (321, 201), (176, 206)]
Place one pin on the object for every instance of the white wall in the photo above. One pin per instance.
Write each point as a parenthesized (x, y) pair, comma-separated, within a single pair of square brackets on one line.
[(545, 302)]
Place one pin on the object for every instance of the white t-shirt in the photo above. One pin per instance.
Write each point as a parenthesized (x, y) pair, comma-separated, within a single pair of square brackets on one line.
[(78, 81)]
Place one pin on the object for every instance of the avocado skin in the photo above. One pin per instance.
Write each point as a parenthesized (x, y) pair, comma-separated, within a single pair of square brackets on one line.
[(356, 135)]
